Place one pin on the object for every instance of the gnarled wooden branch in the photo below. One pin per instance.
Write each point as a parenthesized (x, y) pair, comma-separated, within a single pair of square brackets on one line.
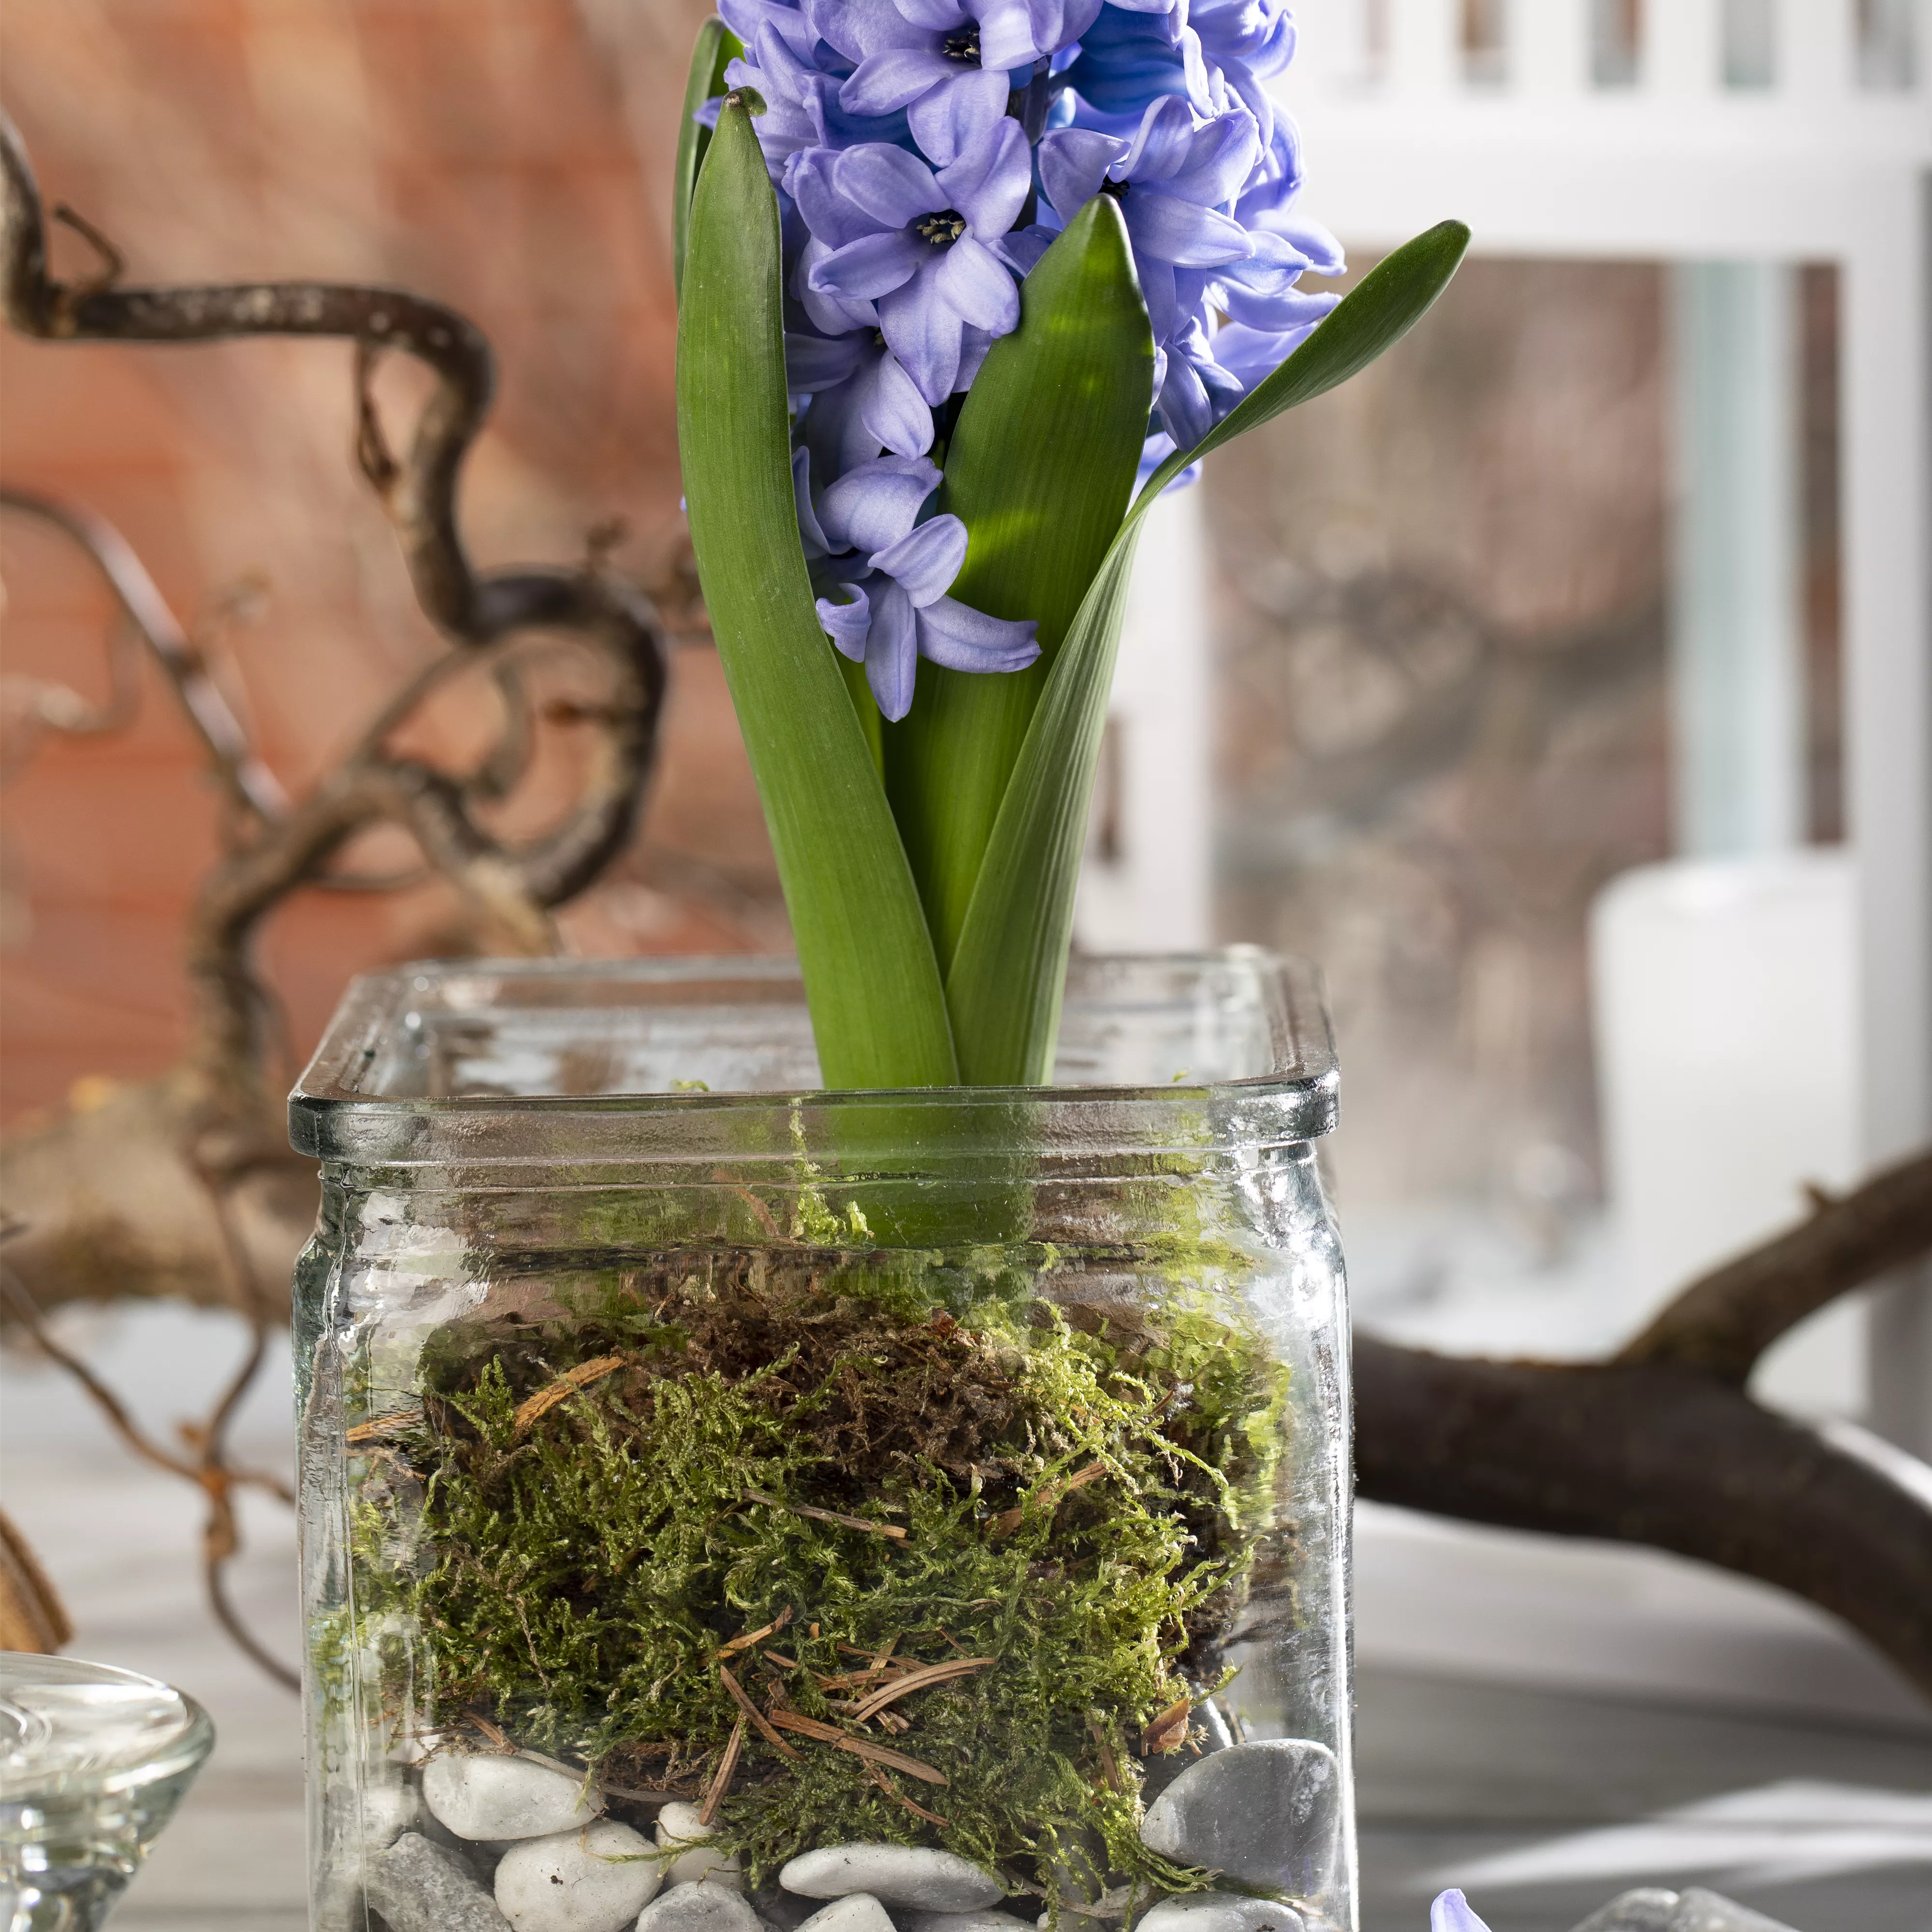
[(184, 1184), (1661, 1445)]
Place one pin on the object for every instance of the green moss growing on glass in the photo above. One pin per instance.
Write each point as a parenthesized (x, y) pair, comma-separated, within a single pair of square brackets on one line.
[(1079, 1488)]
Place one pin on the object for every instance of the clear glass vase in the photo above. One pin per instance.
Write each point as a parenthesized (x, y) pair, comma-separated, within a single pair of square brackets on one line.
[(726, 1501)]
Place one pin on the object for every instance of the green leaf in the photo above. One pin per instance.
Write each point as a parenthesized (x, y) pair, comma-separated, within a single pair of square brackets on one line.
[(1374, 316), (1009, 971), (716, 48), (1039, 469), (878, 1008), (1005, 980)]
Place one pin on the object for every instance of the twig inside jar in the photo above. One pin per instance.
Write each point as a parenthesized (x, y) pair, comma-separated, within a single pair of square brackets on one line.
[(826, 1516), (722, 1782)]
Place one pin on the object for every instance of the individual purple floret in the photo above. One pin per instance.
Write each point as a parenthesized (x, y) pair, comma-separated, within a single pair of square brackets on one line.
[(895, 234), (862, 538), (948, 63), (1451, 1913), (1171, 180), (862, 401)]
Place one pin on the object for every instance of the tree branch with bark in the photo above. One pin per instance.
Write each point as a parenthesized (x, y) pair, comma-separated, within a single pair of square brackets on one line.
[(215, 1110), (1661, 1445), (184, 1185)]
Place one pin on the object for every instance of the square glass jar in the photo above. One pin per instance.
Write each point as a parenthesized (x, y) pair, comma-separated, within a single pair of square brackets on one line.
[(935, 1497)]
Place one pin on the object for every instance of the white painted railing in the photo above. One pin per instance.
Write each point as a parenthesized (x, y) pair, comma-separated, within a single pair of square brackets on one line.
[(1841, 55)]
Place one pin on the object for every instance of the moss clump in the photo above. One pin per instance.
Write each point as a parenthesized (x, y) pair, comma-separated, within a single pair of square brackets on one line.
[(809, 1444)]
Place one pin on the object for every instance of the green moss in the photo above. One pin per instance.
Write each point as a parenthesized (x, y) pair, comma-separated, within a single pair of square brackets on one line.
[(1080, 1486)]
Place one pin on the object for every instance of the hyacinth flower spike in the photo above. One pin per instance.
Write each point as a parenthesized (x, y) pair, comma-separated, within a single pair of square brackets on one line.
[(914, 242), (857, 313), (864, 540), (1450, 1913)]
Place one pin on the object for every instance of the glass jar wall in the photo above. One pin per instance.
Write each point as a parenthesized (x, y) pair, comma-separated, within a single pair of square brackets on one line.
[(728, 1501)]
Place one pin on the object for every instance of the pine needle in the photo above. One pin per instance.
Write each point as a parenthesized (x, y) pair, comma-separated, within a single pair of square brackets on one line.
[(1049, 1499), (918, 1680), (742, 1699), (826, 1516), (744, 1642), (831, 1734), (892, 1792), (566, 1385), (722, 1782), (381, 1425)]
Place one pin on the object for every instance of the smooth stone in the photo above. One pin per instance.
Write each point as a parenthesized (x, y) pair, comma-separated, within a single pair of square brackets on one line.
[(572, 1882), (506, 1797), (698, 1908), (419, 1887), (1267, 1813), (1649, 1910), (678, 1823), (1220, 1912), (1654, 1909), (962, 1922), (1701, 1911), (895, 1875), (856, 1912), (388, 1810)]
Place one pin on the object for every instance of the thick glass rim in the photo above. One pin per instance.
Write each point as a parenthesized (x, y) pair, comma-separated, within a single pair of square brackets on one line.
[(339, 1111), (183, 1751)]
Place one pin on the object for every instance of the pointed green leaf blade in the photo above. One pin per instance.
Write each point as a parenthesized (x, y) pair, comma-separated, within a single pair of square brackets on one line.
[(1374, 316), (1039, 469), (717, 46), (1007, 976), (878, 1008), (1007, 972)]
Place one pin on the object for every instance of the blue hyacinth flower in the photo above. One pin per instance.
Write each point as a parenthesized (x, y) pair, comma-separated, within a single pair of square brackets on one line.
[(1451, 1913), (949, 65), (1171, 180), (864, 541), (912, 243)]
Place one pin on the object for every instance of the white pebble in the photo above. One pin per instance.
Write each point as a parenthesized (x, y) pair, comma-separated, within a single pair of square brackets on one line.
[(856, 1912), (388, 1810), (982, 1921), (698, 1908), (1220, 1912), (506, 1797), (595, 1879), (894, 1874), (679, 1824)]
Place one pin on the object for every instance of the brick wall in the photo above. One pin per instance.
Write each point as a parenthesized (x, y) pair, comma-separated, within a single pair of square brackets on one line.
[(510, 157)]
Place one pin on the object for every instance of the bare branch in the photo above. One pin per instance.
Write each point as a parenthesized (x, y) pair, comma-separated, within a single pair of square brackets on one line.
[(1661, 1445), (248, 782), (215, 1112), (1723, 1323), (1656, 1453), (510, 890)]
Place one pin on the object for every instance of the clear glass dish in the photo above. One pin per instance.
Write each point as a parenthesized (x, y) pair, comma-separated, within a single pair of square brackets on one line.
[(93, 1761)]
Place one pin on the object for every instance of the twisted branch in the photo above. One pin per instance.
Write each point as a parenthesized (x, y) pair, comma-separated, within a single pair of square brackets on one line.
[(291, 847), (215, 1110), (248, 783), (1661, 1445)]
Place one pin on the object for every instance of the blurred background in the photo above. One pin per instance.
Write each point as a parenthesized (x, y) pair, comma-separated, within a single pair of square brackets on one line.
[(1530, 685)]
